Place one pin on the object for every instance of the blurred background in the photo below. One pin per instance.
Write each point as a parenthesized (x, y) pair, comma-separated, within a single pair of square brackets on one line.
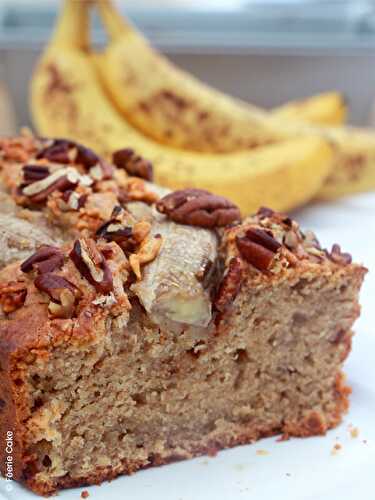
[(266, 52)]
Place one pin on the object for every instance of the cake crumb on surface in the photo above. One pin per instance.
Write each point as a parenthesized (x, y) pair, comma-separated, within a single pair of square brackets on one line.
[(337, 447), (354, 432), (262, 453), (85, 494)]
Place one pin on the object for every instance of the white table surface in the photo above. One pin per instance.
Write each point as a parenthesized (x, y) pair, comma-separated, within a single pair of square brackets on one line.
[(298, 469)]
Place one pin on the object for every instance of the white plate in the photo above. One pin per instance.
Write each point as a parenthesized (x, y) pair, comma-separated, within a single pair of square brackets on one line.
[(298, 469)]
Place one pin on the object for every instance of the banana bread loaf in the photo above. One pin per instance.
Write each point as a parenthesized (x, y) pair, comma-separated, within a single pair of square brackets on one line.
[(138, 327)]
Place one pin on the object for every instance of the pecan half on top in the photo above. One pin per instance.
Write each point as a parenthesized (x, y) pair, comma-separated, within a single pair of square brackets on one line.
[(45, 260), (60, 180), (340, 257), (12, 296), (92, 265), (133, 164), (197, 207), (63, 294), (258, 247)]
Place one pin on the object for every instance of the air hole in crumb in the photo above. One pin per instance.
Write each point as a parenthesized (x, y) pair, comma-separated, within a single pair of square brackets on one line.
[(258, 321), (36, 378), (242, 359), (272, 341), (299, 319), (46, 461), (241, 356), (97, 394), (18, 382), (2, 404), (37, 403), (343, 288), (300, 285), (121, 436), (140, 399)]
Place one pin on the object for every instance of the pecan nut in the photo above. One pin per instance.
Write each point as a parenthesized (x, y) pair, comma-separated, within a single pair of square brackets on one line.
[(58, 151), (73, 200), (258, 248), (69, 152), (134, 165), (63, 294), (340, 257), (207, 273), (197, 207), (230, 286), (45, 260), (92, 265), (119, 228), (34, 173), (12, 296), (61, 180)]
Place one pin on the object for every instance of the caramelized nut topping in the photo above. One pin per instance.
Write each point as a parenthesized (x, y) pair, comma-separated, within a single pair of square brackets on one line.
[(58, 151), (45, 260), (258, 248), (73, 200), (34, 173), (12, 296), (230, 286), (114, 230), (134, 165), (69, 152), (340, 257), (92, 265), (206, 275), (264, 212), (61, 180), (62, 292), (197, 207), (263, 238)]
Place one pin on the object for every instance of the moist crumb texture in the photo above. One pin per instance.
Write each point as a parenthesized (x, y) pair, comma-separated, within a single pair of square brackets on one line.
[(116, 355)]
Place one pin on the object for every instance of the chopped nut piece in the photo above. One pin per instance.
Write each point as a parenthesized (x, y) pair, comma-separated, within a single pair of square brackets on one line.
[(34, 173), (134, 165), (92, 265), (114, 231), (12, 296), (339, 257), (73, 200), (291, 240), (66, 308), (263, 238), (206, 275), (230, 285), (137, 190), (60, 180), (197, 207), (63, 294), (258, 248), (46, 259)]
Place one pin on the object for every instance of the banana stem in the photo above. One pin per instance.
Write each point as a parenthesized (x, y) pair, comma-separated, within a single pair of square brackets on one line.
[(72, 28), (114, 23)]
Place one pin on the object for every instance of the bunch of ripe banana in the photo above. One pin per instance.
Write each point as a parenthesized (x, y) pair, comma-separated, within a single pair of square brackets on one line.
[(130, 96)]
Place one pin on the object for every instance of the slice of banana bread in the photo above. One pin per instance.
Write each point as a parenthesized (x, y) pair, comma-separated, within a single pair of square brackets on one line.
[(163, 328)]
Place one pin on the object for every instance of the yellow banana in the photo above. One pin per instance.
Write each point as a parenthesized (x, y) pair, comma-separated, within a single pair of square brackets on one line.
[(174, 108), (329, 108), (167, 107), (68, 100)]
